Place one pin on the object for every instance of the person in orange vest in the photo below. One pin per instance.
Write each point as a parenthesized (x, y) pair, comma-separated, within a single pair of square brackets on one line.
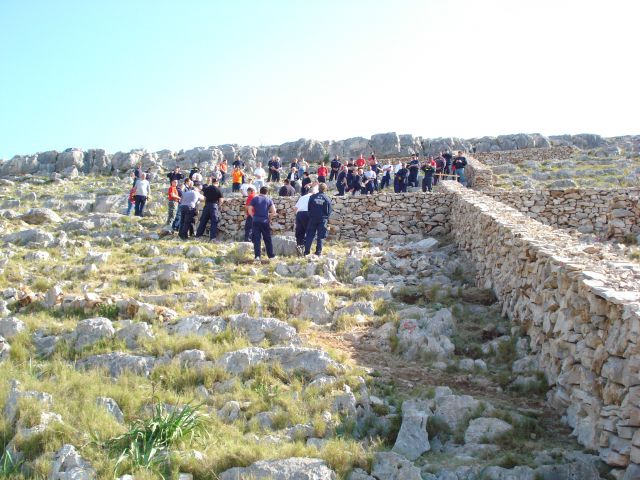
[(236, 179), (174, 198), (223, 171)]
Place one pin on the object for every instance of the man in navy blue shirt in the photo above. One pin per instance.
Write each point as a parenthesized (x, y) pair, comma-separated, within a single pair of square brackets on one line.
[(261, 210), (319, 213)]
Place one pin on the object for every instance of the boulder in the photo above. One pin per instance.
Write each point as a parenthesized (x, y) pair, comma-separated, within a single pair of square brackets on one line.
[(5, 349), (260, 328), (134, 332), (309, 361), (516, 473), (363, 308), (29, 237), (391, 466), (413, 439), (39, 216), (485, 430), (91, 331), (198, 325), (295, 468), (385, 143), (311, 305), (16, 394), (116, 363), (284, 246), (110, 204), (247, 302), (454, 408), (10, 327), (69, 465)]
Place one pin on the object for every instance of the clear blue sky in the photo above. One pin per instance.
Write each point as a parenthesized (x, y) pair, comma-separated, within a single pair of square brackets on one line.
[(120, 74)]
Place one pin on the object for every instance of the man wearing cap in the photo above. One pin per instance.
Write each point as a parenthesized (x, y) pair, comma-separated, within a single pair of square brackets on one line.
[(319, 212), (211, 211)]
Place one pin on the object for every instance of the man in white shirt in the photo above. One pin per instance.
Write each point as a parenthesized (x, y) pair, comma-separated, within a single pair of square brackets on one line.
[(369, 181), (259, 173), (188, 202), (386, 175), (302, 217), (244, 188), (143, 190)]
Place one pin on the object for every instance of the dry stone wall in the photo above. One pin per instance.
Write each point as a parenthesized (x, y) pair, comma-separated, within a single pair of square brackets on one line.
[(607, 213), (580, 307), (382, 216)]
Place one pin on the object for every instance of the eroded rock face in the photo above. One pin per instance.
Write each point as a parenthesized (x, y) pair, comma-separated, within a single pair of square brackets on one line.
[(391, 466), (413, 439), (296, 468), (69, 465), (483, 430)]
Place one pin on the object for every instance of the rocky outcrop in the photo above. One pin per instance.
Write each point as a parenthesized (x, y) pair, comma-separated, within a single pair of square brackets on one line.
[(295, 468)]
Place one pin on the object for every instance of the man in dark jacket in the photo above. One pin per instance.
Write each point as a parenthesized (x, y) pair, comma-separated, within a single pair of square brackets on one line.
[(459, 163), (428, 170), (400, 180), (211, 211), (336, 165), (175, 175), (414, 167), (341, 180), (286, 190), (319, 212)]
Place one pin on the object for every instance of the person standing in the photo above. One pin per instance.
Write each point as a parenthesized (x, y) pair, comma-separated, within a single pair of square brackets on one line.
[(341, 180), (236, 179), (440, 166), (137, 173), (211, 211), (259, 173), (248, 223), (304, 166), (428, 169), (190, 199), (447, 161), (286, 190), (175, 175), (319, 208), (336, 166), (302, 220), (262, 209), (459, 163), (274, 169), (414, 168), (322, 173), (143, 190), (173, 196), (223, 171), (304, 186), (360, 161), (386, 175), (293, 178)]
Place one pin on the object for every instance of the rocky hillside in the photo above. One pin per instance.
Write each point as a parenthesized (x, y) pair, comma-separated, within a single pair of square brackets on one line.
[(124, 353), (74, 160)]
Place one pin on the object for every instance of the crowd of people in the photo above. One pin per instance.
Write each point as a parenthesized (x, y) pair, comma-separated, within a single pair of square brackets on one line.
[(195, 198)]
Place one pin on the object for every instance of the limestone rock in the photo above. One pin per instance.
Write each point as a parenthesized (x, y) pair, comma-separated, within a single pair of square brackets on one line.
[(413, 439), (257, 329), (483, 430), (309, 361), (247, 302), (311, 305), (391, 466), (453, 408), (295, 468), (16, 393), (91, 331), (134, 332), (5, 349), (117, 363), (198, 325), (39, 216), (284, 246), (29, 237), (10, 327), (111, 406)]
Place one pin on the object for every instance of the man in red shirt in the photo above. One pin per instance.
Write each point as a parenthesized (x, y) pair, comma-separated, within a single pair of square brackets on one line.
[(360, 161), (248, 223), (322, 173)]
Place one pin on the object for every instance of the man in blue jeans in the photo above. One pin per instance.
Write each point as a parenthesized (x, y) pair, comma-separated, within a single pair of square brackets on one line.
[(211, 211), (261, 210), (459, 163), (319, 212)]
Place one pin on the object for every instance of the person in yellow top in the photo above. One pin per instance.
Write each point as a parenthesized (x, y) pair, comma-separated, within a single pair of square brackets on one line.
[(236, 178)]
